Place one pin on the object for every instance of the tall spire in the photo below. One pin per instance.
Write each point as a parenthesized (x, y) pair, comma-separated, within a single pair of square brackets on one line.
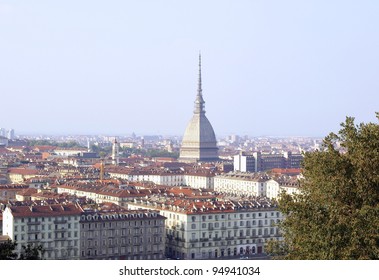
[(199, 89), (199, 102)]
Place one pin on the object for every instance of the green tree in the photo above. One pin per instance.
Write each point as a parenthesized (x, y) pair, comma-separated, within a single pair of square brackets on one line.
[(29, 252), (7, 250), (337, 214), (32, 252)]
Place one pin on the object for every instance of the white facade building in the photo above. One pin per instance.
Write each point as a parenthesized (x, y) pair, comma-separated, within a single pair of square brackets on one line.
[(275, 187), (55, 227), (248, 184), (215, 229), (194, 180)]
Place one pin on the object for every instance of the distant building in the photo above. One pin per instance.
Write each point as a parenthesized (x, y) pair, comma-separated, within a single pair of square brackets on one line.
[(11, 134), (19, 175), (257, 162), (275, 187), (241, 184), (199, 140), (9, 192), (115, 152), (66, 152), (255, 184), (3, 132), (3, 141), (245, 163)]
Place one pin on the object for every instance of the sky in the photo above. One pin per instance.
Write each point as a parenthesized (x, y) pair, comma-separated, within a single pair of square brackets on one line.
[(269, 68)]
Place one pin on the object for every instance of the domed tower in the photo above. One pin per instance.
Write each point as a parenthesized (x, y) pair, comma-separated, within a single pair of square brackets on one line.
[(199, 140)]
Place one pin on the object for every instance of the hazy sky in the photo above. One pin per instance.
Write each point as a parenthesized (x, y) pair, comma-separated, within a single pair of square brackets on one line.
[(270, 67)]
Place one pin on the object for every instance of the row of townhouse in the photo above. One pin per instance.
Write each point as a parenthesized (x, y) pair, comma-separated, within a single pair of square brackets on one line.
[(67, 231), (217, 228), (197, 180), (101, 194), (238, 183), (255, 184), (9, 191)]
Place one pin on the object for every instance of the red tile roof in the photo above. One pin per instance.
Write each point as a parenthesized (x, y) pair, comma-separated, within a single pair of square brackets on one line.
[(46, 210), (23, 171)]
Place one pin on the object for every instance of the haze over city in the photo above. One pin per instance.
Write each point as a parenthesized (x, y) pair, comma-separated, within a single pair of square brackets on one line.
[(278, 68)]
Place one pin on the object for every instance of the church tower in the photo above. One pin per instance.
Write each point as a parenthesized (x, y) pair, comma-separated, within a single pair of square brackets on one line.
[(199, 140), (115, 152)]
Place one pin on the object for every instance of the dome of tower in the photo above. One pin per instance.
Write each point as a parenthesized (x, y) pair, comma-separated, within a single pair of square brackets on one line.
[(199, 132)]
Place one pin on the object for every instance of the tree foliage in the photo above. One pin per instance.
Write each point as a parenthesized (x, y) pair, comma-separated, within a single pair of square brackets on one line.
[(28, 252), (337, 214), (32, 252), (7, 250)]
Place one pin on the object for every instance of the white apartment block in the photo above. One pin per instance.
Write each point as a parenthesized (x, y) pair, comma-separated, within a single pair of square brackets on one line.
[(55, 227), (167, 179), (247, 184), (215, 229), (66, 152), (103, 194), (199, 181), (194, 180), (276, 187)]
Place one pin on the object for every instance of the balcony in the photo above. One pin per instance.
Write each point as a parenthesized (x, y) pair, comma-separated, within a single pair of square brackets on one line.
[(180, 239), (223, 228), (60, 222), (210, 228), (33, 223), (229, 238), (60, 238), (216, 238), (204, 239), (235, 227), (33, 231), (193, 240)]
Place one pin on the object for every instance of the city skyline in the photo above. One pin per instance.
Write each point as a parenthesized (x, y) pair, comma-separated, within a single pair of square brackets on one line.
[(269, 69)]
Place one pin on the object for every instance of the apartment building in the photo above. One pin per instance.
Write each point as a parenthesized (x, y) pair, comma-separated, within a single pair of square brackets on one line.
[(257, 161), (239, 183), (287, 185), (101, 193), (194, 179), (54, 226), (216, 228), (122, 234), (9, 191)]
